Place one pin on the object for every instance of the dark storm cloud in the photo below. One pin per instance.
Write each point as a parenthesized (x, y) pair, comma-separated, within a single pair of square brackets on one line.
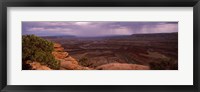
[(97, 28)]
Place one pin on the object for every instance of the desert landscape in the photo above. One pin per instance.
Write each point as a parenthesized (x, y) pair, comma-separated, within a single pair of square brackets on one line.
[(140, 51)]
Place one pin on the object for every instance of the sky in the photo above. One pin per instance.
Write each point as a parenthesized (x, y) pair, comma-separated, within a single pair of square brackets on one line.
[(94, 29)]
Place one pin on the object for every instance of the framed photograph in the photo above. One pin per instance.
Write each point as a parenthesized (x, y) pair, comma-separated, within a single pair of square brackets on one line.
[(86, 45)]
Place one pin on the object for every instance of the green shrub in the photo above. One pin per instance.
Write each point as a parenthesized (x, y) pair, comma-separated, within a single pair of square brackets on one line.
[(37, 49), (83, 62)]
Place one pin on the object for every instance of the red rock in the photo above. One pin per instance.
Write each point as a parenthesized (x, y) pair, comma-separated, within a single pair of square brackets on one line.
[(122, 66), (56, 45), (60, 55), (69, 58), (38, 66), (59, 49), (68, 65)]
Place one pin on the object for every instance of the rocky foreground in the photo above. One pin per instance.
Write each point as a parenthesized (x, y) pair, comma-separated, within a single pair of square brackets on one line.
[(69, 63)]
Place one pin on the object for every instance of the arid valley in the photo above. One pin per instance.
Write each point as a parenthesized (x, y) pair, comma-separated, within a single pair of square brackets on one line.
[(160, 50)]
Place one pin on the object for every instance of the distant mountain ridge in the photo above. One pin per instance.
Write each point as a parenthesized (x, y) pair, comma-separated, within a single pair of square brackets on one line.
[(155, 34)]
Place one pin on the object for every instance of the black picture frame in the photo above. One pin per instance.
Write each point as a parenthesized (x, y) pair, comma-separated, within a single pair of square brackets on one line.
[(100, 3)]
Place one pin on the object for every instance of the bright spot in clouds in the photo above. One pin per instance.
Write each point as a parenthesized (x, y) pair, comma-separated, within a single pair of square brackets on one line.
[(82, 23)]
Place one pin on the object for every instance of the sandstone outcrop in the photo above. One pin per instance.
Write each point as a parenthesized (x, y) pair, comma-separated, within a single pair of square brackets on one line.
[(37, 66), (122, 66), (60, 55), (58, 47), (66, 61)]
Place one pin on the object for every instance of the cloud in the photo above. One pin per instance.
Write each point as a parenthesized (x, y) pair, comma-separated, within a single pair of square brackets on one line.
[(96, 28), (160, 28), (81, 23)]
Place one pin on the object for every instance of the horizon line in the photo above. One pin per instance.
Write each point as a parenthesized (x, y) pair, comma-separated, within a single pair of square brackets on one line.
[(98, 36)]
